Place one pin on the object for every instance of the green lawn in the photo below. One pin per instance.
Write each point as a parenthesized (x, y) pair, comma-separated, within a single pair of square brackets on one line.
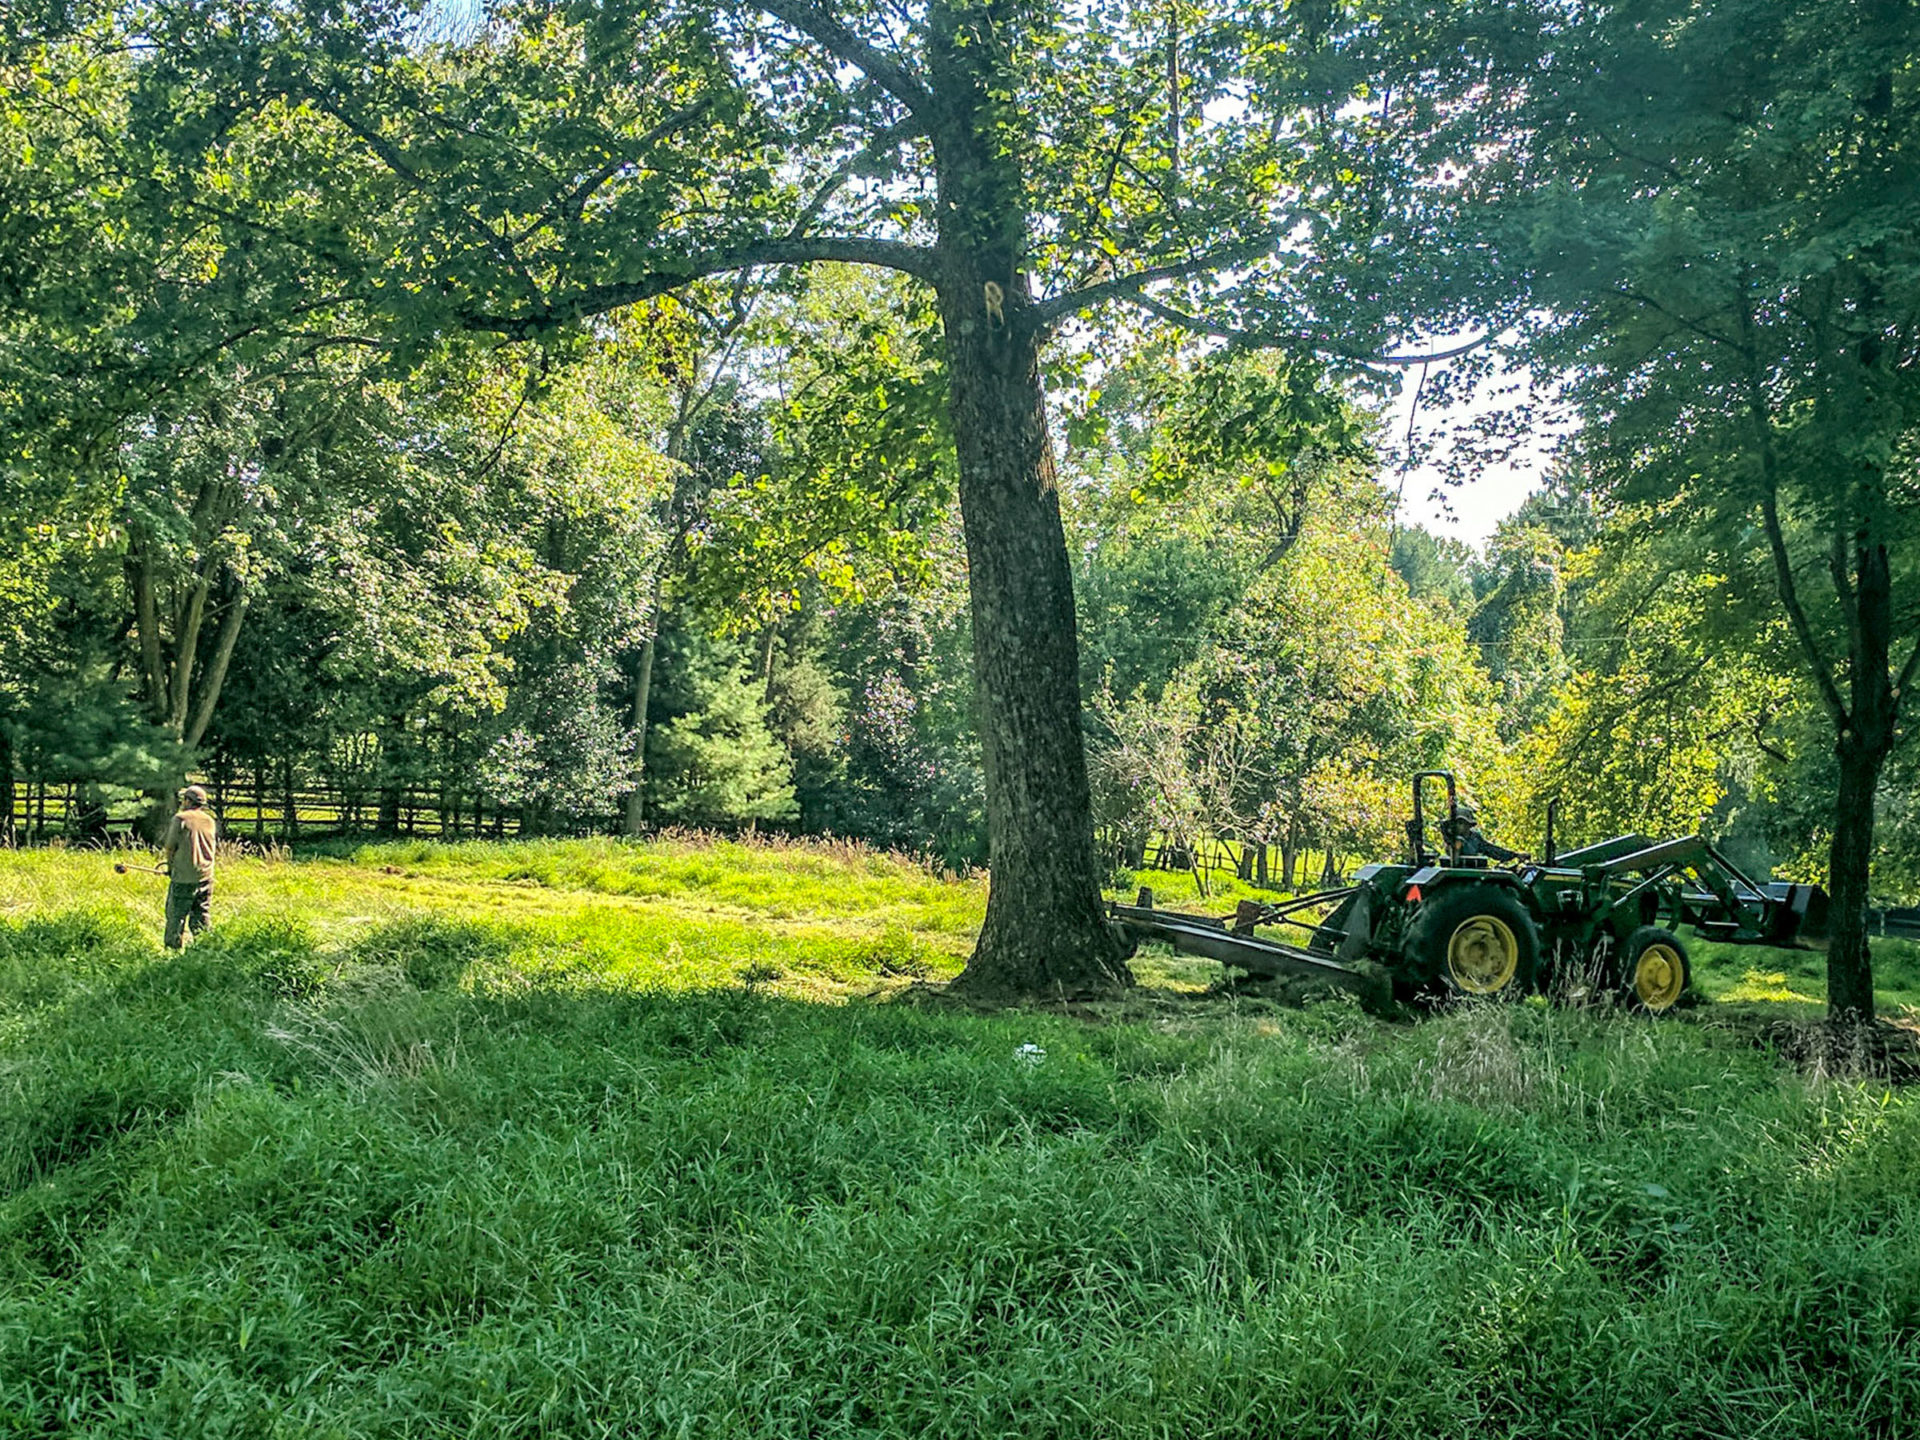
[(592, 1139)]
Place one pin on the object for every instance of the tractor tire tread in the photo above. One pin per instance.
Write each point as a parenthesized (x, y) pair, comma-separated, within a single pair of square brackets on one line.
[(1433, 927)]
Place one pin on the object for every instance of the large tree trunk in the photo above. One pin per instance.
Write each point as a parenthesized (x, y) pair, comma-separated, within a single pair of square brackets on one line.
[(1045, 932), (1850, 859), (1866, 738)]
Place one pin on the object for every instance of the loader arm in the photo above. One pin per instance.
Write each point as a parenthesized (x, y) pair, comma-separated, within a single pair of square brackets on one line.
[(1729, 905)]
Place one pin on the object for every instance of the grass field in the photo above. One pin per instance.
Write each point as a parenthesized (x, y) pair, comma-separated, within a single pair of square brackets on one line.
[(587, 1139)]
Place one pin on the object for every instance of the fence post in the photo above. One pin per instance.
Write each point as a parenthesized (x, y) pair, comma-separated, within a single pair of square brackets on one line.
[(290, 808)]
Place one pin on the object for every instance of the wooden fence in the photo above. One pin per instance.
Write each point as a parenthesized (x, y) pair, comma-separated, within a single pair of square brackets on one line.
[(61, 813), (43, 814), (1216, 856)]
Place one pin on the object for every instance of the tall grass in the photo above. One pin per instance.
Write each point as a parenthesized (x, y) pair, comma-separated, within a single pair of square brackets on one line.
[(452, 1169)]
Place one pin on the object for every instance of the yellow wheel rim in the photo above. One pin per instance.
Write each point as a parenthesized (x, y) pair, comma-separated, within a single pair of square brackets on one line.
[(1659, 975), (1483, 956)]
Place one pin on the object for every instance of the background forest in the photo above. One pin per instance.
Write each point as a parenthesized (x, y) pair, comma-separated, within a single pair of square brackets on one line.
[(686, 576)]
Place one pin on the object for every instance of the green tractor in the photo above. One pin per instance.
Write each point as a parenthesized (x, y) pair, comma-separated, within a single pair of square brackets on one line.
[(1461, 917)]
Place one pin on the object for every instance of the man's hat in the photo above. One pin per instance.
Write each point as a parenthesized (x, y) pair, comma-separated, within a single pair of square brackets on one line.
[(194, 796)]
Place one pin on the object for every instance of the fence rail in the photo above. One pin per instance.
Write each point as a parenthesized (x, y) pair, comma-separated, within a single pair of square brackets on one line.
[(43, 813), (1262, 866)]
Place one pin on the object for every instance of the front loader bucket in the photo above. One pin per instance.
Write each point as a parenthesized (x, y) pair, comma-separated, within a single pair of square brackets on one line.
[(1797, 915)]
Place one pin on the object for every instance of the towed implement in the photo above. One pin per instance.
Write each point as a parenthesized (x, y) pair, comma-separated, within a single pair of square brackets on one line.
[(1452, 921)]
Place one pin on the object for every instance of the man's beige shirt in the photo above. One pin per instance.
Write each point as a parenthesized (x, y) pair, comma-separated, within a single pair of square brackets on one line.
[(189, 848)]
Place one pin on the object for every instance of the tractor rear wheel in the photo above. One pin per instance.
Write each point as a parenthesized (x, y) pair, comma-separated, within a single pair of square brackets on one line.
[(1475, 940), (1654, 972)]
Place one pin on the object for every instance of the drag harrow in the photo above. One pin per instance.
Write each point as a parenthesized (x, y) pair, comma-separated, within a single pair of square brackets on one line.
[(1233, 943)]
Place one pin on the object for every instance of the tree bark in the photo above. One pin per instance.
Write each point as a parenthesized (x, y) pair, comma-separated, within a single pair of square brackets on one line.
[(216, 670), (634, 821), (1045, 932), (147, 620), (1866, 739), (392, 737), (1290, 843), (1850, 860), (186, 642)]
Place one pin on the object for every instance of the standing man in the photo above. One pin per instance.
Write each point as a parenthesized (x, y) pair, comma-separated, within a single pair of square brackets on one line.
[(188, 849)]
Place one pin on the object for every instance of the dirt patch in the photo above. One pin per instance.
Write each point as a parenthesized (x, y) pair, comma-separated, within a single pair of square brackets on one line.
[(1885, 1050)]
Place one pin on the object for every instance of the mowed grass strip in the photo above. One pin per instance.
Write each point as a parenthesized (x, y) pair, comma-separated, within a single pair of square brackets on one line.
[(812, 920), (391, 1171)]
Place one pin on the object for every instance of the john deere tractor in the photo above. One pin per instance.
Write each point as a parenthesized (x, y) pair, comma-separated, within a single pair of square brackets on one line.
[(1454, 919)]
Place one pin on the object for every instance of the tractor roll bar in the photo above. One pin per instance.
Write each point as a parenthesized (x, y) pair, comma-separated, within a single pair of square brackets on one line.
[(1417, 828)]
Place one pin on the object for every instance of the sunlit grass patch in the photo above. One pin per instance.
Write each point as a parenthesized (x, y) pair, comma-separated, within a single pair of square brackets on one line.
[(1768, 985), (784, 878)]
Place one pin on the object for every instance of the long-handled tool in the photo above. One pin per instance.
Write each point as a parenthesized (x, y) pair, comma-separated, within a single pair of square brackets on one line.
[(120, 867)]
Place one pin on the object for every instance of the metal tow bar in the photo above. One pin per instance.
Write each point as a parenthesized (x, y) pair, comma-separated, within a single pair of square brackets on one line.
[(1199, 935)]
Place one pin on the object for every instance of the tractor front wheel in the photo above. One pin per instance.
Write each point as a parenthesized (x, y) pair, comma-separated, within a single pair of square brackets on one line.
[(1475, 940), (1653, 969)]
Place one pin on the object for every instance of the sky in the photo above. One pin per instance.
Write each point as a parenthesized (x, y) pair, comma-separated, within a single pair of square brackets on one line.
[(1470, 511)]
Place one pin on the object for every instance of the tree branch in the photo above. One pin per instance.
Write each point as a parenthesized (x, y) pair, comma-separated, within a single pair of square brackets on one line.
[(389, 155), (1634, 705), (216, 672), (146, 611), (1694, 326), (1849, 599), (186, 642), (573, 205), (1907, 672), (840, 42), (912, 260), (1784, 583), (1790, 597), (1129, 286), (1292, 340), (881, 142)]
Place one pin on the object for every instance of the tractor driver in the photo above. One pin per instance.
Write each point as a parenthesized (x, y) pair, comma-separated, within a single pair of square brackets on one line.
[(1466, 828)]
